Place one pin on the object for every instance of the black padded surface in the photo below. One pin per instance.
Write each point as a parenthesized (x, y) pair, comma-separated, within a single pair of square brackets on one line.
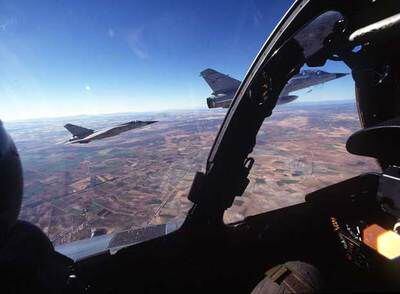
[(381, 142)]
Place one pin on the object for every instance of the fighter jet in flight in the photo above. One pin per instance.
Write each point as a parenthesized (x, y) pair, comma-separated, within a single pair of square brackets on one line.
[(224, 87), (84, 135)]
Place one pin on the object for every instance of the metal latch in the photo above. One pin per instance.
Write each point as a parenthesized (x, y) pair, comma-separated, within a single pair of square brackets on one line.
[(244, 181)]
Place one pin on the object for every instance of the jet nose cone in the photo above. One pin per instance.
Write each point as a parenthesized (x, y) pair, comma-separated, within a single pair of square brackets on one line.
[(340, 75), (151, 122)]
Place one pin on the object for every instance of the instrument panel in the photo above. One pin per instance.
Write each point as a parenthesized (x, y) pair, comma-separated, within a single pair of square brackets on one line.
[(367, 244)]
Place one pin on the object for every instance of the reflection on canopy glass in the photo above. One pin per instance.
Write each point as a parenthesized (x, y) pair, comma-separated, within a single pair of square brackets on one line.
[(302, 146)]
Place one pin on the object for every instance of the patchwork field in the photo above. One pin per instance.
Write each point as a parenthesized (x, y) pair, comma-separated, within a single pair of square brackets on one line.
[(142, 177)]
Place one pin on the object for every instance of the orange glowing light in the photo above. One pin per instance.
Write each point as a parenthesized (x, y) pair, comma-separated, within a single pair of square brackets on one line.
[(386, 242)]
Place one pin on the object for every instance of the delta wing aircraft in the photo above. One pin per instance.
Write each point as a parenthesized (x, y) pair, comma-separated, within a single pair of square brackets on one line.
[(84, 135), (224, 87)]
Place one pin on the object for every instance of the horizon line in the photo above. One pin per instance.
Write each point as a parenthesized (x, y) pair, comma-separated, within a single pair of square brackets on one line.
[(151, 111)]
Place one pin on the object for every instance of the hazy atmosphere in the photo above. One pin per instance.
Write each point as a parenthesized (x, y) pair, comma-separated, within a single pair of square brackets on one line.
[(64, 58)]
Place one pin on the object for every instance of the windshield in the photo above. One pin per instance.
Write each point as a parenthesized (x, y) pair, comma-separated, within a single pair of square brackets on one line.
[(301, 147), (107, 103)]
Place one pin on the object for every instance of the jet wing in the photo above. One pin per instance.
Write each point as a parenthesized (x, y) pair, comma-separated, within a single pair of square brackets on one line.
[(81, 249), (310, 78), (87, 139)]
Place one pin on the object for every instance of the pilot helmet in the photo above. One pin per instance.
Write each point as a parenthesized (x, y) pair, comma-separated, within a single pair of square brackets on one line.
[(11, 183)]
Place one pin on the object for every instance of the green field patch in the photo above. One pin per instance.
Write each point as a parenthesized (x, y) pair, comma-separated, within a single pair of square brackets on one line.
[(286, 182), (154, 201), (260, 181), (291, 191), (238, 202)]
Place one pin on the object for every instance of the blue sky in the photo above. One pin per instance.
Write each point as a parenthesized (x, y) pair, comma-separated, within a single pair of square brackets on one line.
[(62, 58)]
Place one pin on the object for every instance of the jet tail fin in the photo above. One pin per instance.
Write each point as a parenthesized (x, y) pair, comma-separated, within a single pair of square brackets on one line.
[(77, 131), (219, 82)]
